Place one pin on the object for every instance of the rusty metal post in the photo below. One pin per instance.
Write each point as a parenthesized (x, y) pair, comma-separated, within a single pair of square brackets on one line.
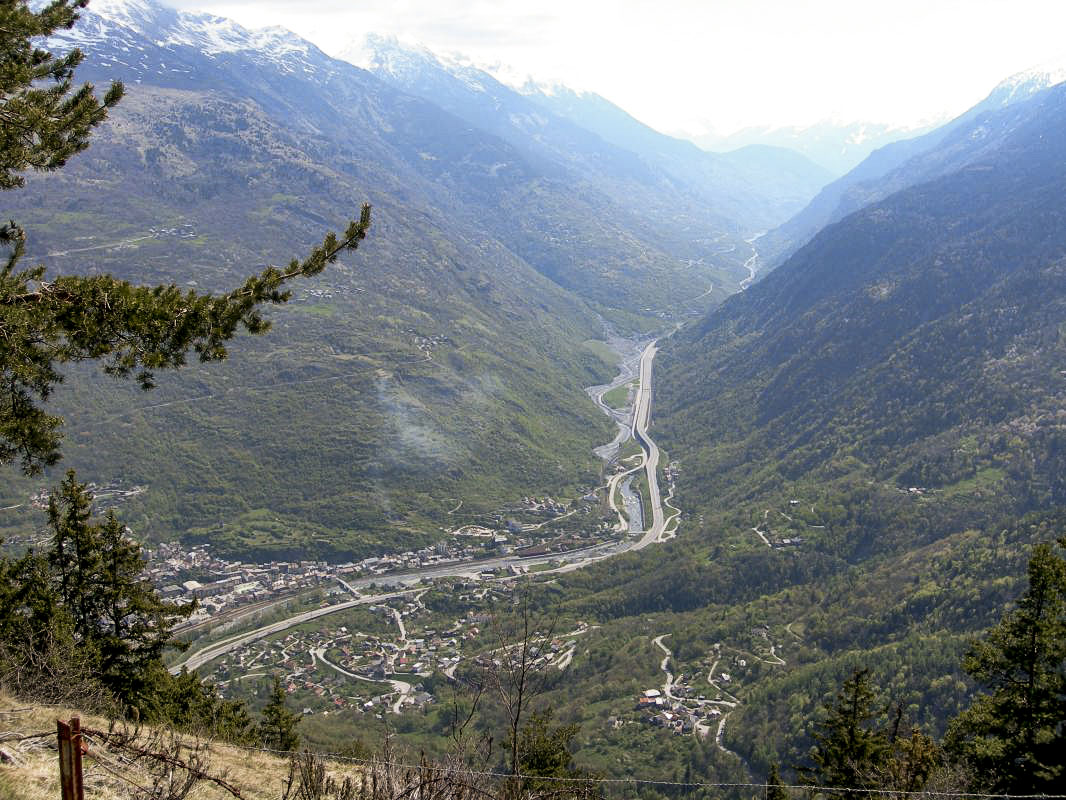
[(70, 750), (66, 760), (77, 744)]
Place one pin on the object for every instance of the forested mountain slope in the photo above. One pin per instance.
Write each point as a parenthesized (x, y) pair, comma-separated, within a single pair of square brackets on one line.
[(868, 443), (934, 311)]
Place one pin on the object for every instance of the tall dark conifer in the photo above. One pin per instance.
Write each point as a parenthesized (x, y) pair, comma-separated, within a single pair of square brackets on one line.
[(115, 614), (278, 726), (775, 789), (74, 555), (1014, 735), (850, 753), (134, 623)]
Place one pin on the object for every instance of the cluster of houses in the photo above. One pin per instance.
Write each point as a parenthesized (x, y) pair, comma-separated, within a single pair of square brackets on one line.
[(301, 662), (335, 667), (545, 504), (522, 539), (427, 344), (185, 231), (332, 668), (328, 292), (683, 712), (379, 658), (182, 573)]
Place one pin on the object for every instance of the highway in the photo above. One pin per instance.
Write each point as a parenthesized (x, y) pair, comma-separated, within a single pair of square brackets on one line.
[(641, 420), (573, 560)]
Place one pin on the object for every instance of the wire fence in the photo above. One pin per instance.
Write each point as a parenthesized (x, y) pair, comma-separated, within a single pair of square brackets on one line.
[(804, 790), (562, 786)]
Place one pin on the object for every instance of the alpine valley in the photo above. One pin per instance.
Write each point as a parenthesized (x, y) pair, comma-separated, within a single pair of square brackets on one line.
[(739, 425)]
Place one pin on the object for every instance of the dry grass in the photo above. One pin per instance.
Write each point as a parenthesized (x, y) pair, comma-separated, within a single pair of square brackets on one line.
[(109, 775)]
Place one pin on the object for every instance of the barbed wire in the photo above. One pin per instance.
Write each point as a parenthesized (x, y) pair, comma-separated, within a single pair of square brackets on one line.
[(117, 772), (626, 781), (654, 782)]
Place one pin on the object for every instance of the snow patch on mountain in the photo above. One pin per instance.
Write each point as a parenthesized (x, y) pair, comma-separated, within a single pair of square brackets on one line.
[(401, 60), (1025, 84), (216, 35), (403, 63), (115, 23)]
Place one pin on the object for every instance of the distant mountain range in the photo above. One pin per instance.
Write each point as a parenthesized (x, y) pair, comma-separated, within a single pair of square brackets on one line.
[(971, 136), (749, 190), (836, 146)]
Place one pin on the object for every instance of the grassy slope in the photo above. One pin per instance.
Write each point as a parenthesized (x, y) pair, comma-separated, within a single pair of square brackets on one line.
[(256, 775)]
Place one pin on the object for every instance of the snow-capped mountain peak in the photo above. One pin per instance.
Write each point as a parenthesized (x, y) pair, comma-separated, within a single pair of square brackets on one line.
[(531, 87), (404, 63), (1025, 84), (127, 12), (110, 25), (387, 55), (215, 35)]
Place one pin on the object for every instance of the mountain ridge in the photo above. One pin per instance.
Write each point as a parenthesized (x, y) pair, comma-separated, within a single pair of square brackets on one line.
[(906, 162), (736, 190)]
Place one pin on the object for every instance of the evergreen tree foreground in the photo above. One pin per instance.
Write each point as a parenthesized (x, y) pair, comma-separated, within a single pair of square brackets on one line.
[(1014, 736), (277, 730), (81, 623)]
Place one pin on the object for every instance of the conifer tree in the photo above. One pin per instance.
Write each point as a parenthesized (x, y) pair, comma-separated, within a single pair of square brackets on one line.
[(29, 610), (849, 751), (188, 703), (46, 321), (543, 748), (42, 121), (39, 657), (74, 556), (1015, 735), (134, 622), (115, 613), (278, 727), (775, 790), (81, 625)]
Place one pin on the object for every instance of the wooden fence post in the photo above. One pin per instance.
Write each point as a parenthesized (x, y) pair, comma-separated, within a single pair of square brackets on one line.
[(70, 750)]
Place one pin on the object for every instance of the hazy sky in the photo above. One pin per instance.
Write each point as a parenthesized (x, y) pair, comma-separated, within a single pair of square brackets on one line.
[(697, 65)]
